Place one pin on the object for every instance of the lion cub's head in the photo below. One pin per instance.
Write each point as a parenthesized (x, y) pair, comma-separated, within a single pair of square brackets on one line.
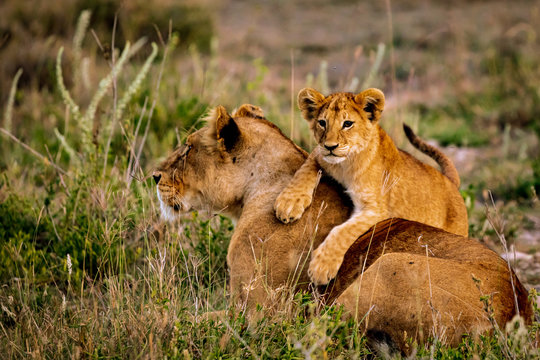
[(203, 173), (342, 122)]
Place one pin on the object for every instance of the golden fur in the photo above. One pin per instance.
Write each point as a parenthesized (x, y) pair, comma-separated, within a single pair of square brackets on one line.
[(381, 180), (239, 165)]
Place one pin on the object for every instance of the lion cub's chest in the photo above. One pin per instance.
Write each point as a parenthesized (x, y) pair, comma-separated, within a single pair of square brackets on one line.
[(357, 186), (340, 173)]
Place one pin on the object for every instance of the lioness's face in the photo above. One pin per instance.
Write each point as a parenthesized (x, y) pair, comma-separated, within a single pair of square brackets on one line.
[(201, 174), (180, 177), (343, 122)]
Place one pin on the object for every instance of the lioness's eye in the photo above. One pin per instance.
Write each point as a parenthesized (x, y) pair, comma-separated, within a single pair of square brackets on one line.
[(347, 124), (186, 150), (322, 123)]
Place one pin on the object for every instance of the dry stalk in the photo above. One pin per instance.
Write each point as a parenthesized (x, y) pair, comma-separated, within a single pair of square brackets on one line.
[(33, 152)]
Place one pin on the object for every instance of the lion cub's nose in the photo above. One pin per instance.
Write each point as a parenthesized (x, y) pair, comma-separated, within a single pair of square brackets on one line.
[(157, 176), (330, 147)]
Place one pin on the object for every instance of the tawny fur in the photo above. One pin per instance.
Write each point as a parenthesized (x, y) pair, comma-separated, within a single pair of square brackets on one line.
[(447, 167), (415, 276), (381, 180)]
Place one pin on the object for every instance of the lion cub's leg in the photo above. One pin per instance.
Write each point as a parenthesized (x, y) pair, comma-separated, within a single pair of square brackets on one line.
[(297, 196), (327, 258)]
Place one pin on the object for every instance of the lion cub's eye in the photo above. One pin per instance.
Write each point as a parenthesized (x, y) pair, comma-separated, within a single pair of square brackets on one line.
[(322, 123), (347, 124)]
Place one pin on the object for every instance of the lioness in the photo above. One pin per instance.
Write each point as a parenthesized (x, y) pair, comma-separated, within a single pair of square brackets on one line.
[(381, 180), (405, 279)]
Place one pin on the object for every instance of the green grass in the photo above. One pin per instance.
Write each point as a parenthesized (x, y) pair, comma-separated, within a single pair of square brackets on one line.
[(89, 270)]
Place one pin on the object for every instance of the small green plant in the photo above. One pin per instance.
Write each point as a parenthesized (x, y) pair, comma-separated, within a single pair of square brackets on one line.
[(208, 241), (469, 196)]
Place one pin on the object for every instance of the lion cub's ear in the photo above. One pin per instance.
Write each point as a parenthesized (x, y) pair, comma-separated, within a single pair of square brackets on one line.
[(227, 132), (372, 101), (248, 110), (309, 102)]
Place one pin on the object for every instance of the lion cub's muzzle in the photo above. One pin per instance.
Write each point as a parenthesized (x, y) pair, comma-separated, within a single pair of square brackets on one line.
[(333, 153)]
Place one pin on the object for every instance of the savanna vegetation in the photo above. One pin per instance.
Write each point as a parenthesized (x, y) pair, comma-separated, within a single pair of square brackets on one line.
[(95, 92)]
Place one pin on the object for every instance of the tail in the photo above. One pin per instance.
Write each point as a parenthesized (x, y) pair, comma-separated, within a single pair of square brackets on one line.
[(447, 167)]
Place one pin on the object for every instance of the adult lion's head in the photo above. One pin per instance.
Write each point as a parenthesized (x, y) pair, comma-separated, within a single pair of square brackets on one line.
[(214, 167), (342, 122)]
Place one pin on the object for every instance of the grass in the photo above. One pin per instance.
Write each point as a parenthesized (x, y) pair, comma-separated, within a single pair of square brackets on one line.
[(88, 270)]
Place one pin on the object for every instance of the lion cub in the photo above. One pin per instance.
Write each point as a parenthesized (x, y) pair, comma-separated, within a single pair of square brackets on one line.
[(381, 180)]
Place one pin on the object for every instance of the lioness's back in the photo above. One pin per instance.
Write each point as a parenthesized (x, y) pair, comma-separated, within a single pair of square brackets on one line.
[(404, 267)]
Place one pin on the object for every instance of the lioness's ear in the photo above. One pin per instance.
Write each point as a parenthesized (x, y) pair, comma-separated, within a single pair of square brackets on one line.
[(372, 101), (248, 110), (227, 132), (309, 102)]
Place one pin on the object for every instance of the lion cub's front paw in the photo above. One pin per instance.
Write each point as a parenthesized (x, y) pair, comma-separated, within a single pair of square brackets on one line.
[(324, 266), (290, 206)]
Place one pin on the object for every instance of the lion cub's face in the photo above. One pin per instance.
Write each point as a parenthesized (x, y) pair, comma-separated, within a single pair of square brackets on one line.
[(341, 123)]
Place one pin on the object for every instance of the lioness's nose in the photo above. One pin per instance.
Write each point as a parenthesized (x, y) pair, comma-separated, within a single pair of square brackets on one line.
[(330, 147), (157, 176)]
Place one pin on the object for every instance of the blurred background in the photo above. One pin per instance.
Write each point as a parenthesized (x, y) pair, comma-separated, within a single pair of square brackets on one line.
[(464, 74)]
